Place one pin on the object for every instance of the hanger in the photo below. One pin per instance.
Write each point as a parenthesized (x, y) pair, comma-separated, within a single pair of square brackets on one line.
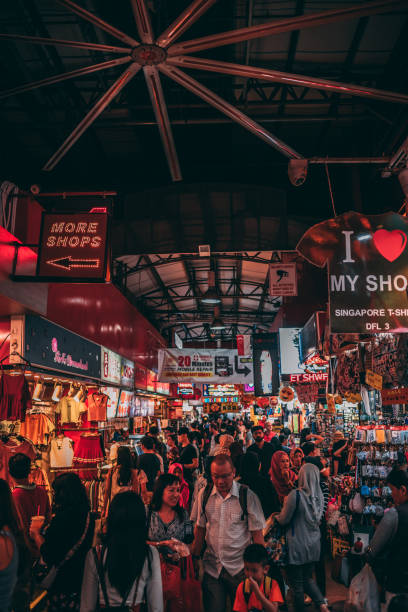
[(17, 354)]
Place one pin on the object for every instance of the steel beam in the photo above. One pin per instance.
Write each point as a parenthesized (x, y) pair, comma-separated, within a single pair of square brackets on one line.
[(97, 21), (142, 18), (214, 100), (55, 42), (184, 21), (160, 110), (274, 76), (285, 25), (58, 78), (90, 117)]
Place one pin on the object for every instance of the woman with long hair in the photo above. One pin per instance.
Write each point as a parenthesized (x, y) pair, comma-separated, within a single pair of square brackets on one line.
[(302, 513), (177, 470), (282, 477), (13, 548), (69, 534), (124, 569), (123, 477), (168, 526)]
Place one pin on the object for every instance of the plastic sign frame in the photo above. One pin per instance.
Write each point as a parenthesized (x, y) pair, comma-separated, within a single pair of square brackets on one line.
[(73, 247)]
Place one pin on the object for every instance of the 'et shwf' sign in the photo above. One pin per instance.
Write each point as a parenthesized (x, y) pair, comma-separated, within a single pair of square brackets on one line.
[(73, 246)]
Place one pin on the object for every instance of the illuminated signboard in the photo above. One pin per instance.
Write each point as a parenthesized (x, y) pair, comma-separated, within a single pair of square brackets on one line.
[(219, 390), (111, 364), (73, 246), (125, 404), (249, 389), (186, 389), (308, 378)]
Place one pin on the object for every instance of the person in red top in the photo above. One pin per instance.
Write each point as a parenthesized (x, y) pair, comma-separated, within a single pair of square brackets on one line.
[(268, 432), (258, 591), (30, 499)]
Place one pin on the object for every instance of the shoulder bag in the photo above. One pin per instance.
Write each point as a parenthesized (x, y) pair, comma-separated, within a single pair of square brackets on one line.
[(49, 579)]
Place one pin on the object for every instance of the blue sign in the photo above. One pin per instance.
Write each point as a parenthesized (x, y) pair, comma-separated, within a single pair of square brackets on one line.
[(53, 347)]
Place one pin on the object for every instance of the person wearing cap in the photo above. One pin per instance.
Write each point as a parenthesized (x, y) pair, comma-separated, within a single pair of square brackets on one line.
[(263, 449)]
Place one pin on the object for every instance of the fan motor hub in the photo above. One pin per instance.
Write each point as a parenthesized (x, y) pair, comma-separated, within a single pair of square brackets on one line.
[(149, 55)]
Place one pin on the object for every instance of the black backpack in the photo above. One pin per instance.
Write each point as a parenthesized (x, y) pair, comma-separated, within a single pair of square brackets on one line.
[(243, 499)]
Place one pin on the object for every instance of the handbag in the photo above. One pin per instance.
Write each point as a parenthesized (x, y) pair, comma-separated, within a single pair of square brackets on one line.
[(101, 575), (51, 575), (171, 579), (190, 587), (276, 541)]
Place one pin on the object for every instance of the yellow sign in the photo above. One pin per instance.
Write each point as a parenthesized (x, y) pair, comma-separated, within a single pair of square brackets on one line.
[(352, 398), (374, 380)]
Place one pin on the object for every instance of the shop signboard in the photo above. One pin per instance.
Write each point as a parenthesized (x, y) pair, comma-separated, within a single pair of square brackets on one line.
[(200, 365), (282, 279), (127, 373), (374, 380), (266, 364), (113, 398), (220, 390), (249, 389), (51, 346), (111, 364), (289, 350), (394, 396), (367, 259), (307, 378), (73, 247), (244, 344)]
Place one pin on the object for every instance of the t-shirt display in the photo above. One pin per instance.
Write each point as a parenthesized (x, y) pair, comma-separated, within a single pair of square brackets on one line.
[(61, 452), (70, 410), (367, 260)]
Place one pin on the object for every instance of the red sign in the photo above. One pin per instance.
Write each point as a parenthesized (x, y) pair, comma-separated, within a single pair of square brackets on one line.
[(394, 396), (308, 378), (73, 246)]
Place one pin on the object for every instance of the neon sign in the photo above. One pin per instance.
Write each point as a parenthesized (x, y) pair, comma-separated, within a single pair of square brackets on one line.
[(73, 246)]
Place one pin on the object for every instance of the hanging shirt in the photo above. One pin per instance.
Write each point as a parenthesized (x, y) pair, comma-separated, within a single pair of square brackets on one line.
[(97, 404), (37, 428), (61, 453), (69, 410)]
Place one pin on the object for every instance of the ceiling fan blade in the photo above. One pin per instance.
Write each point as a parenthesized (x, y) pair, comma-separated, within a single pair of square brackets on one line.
[(143, 23), (265, 74), (278, 26), (37, 40), (222, 105), (93, 114), (184, 21), (160, 110), (64, 77), (100, 23)]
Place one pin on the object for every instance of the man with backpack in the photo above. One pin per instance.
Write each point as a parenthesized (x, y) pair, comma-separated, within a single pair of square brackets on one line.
[(228, 517)]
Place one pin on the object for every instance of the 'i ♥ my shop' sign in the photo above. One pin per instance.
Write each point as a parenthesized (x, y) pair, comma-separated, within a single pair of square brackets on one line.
[(367, 261)]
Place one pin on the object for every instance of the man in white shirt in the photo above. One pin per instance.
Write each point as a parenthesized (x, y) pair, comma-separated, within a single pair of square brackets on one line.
[(227, 528)]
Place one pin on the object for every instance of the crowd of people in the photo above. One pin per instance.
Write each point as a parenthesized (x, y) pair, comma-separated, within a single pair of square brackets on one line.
[(191, 526)]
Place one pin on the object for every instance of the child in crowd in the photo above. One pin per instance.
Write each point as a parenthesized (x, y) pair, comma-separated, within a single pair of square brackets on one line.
[(258, 591)]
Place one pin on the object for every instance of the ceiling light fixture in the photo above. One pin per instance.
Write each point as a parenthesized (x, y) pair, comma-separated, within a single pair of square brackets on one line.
[(211, 296), (217, 322)]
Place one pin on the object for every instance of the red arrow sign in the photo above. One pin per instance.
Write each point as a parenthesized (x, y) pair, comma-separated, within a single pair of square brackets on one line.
[(67, 263)]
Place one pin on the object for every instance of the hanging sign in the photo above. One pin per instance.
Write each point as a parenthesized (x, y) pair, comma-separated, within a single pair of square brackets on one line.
[(352, 398), (127, 373), (282, 279), (394, 396), (199, 365), (73, 246), (367, 263), (374, 380), (307, 378), (266, 364), (244, 344)]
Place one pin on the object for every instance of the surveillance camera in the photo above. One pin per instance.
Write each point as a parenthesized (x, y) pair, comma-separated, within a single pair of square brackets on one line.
[(297, 171), (35, 189)]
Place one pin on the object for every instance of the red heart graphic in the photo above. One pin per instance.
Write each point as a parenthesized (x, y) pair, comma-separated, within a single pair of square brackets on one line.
[(390, 243)]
